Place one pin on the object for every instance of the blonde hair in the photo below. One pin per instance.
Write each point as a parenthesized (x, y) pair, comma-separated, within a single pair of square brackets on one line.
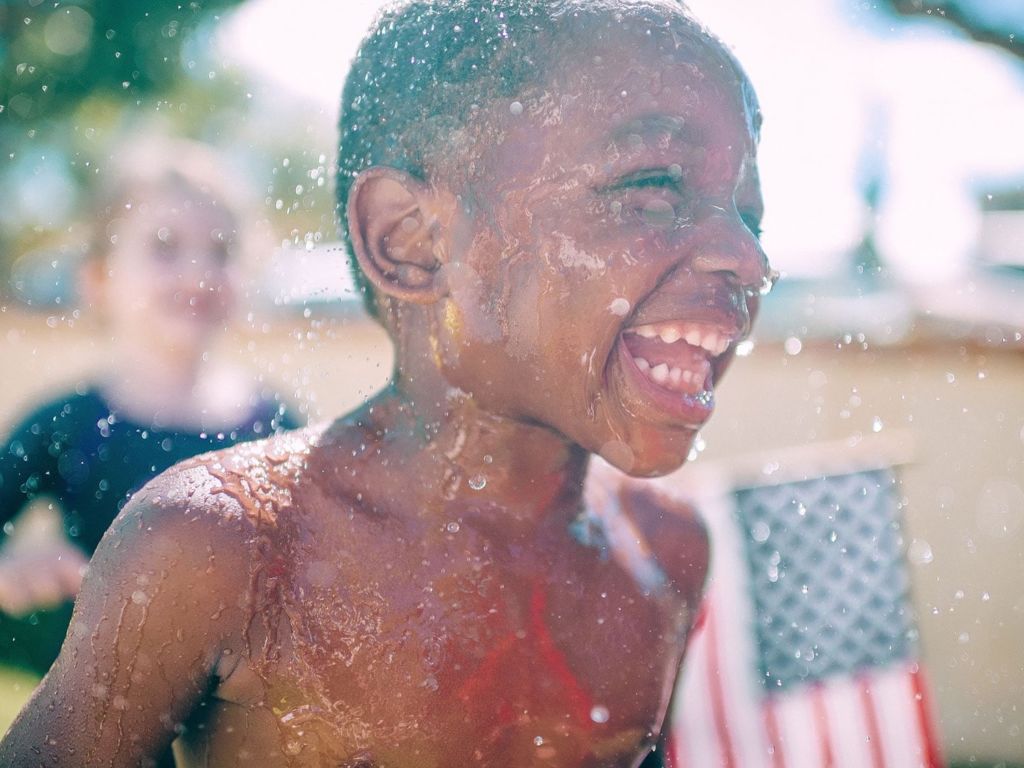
[(152, 164)]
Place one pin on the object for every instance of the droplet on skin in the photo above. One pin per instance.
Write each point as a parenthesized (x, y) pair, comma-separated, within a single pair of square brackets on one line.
[(793, 345), (452, 527), (516, 108), (619, 307), (478, 482), (139, 597), (599, 714)]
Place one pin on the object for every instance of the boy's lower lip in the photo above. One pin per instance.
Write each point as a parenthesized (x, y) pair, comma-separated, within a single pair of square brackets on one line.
[(642, 393)]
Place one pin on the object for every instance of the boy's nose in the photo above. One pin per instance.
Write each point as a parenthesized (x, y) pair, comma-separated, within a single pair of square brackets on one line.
[(727, 245)]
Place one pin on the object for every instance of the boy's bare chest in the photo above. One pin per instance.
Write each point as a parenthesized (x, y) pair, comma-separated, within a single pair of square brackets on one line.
[(443, 652)]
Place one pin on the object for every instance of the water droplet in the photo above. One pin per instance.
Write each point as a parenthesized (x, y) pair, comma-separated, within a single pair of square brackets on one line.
[(516, 108), (478, 482), (139, 597), (793, 345), (538, 740), (698, 446), (877, 424), (920, 552), (452, 527), (619, 307), (744, 348), (599, 714), (760, 531)]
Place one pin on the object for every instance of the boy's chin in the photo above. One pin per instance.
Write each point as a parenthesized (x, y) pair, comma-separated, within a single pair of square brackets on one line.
[(647, 461)]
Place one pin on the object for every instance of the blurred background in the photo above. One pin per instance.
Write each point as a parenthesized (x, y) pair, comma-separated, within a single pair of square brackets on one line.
[(893, 169)]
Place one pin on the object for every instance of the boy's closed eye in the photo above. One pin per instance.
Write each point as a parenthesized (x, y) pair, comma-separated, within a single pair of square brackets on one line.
[(653, 197), (663, 205)]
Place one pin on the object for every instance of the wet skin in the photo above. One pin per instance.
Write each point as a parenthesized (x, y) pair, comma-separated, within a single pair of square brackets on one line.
[(424, 582)]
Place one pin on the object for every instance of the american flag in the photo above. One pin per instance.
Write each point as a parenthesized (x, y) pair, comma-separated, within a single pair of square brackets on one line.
[(805, 655)]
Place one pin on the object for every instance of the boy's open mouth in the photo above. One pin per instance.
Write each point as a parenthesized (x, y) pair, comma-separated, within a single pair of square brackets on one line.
[(673, 363)]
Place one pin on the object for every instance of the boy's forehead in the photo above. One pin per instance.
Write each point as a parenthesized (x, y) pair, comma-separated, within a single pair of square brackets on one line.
[(624, 90)]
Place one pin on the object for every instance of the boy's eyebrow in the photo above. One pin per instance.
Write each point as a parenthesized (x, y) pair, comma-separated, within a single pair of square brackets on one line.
[(671, 125)]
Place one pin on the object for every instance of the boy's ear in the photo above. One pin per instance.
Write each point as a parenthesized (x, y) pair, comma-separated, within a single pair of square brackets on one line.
[(392, 223)]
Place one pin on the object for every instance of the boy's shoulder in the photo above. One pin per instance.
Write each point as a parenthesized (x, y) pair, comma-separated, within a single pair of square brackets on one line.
[(251, 484), (675, 532), (654, 525)]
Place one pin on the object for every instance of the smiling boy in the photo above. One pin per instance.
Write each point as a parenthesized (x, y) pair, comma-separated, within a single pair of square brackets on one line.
[(553, 207)]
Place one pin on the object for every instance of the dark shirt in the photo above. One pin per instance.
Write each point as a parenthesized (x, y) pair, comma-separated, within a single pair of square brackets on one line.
[(77, 450)]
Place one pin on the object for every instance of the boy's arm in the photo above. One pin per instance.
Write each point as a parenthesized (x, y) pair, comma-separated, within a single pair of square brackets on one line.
[(28, 463), (29, 467), (160, 604)]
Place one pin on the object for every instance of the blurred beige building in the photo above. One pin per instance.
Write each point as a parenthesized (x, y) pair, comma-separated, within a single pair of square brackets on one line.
[(959, 400)]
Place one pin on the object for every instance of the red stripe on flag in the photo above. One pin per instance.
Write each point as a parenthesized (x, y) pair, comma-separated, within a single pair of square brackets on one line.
[(771, 725), (715, 687), (924, 717), (874, 733), (821, 715), (671, 758)]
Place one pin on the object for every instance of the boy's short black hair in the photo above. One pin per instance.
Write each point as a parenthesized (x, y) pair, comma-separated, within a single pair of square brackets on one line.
[(428, 65)]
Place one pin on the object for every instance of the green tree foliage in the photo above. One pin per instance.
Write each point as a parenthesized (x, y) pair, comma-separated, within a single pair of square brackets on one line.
[(55, 53), (969, 18)]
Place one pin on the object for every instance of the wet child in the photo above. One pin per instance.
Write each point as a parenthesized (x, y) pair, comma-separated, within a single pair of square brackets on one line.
[(554, 210), (160, 275)]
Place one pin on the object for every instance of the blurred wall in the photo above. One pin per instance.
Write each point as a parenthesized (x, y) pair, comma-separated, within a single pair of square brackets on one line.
[(963, 405)]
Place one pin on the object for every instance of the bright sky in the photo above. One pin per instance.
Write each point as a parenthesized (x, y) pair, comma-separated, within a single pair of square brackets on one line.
[(944, 116)]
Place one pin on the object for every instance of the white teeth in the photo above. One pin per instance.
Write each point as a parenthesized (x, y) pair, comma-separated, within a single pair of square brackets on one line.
[(670, 334), (695, 335), (672, 378)]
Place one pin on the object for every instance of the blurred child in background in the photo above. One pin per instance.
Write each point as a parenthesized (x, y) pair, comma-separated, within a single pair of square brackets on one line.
[(161, 277)]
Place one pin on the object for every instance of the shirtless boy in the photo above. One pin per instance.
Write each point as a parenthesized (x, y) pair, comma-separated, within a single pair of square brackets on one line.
[(554, 206)]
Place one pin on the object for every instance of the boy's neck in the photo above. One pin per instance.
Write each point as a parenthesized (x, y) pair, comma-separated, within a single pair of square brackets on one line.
[(463, 462)]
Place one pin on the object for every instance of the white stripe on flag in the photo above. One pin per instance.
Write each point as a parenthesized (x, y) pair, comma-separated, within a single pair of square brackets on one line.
[(847, 724), (893, 695), (731, 693), (797, 721), (733, 618), (693, 721)]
